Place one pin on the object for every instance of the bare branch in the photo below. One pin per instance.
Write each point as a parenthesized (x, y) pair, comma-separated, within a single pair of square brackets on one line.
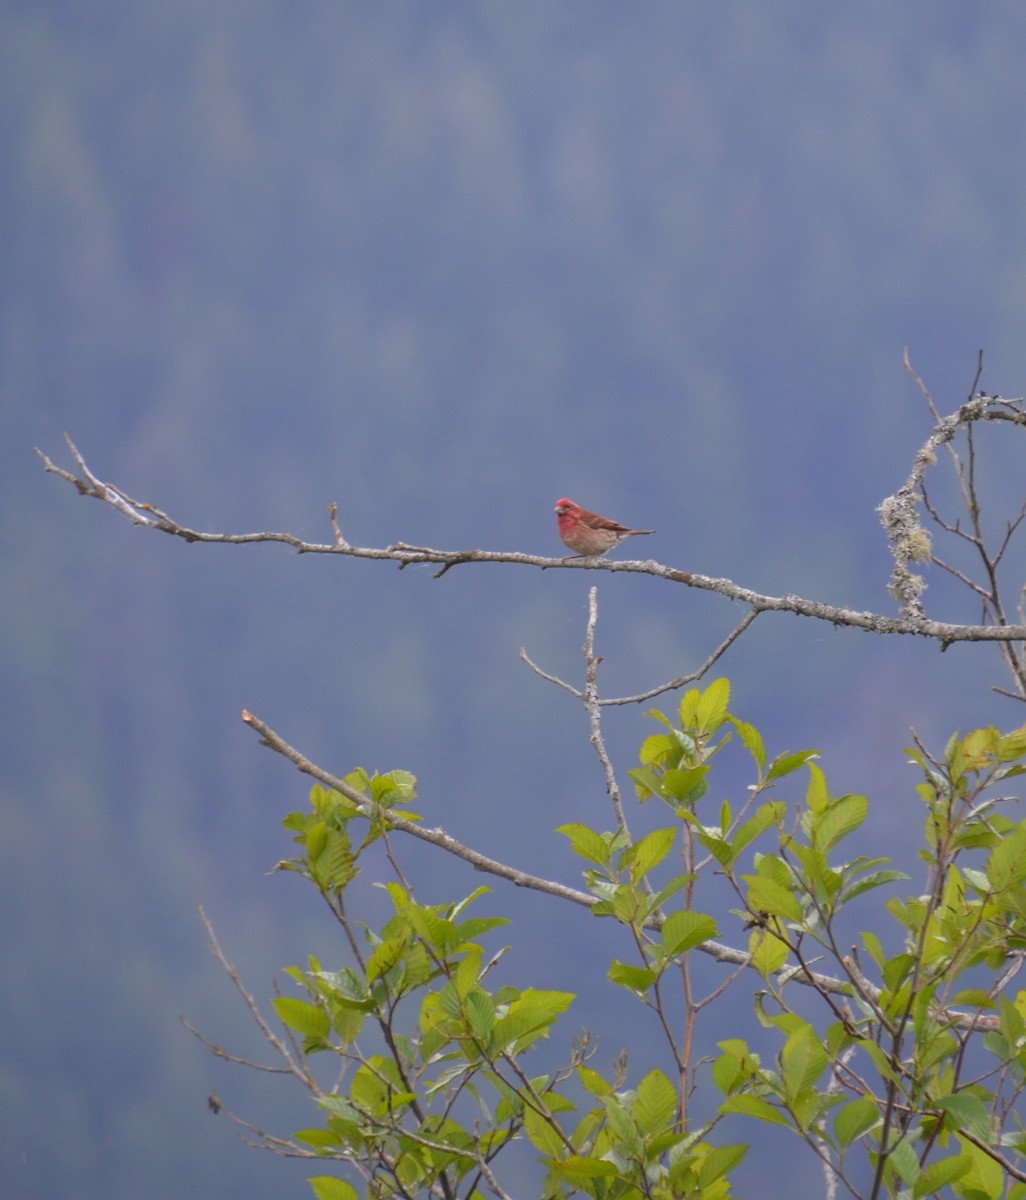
[(593, 708), (291, 1065), (220, 1052), (691, 677), (437, 837), (913, 621), (524, 657), (909, 541)]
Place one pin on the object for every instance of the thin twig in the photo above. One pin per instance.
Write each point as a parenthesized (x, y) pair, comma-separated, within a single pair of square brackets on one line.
[(292, 1066), (524, 657), (692, 676)]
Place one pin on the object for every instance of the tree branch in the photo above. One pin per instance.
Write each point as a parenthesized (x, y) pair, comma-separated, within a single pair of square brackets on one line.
[(895, 510)]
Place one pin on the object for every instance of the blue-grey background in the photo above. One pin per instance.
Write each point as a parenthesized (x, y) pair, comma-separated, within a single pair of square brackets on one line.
[(444, 263)]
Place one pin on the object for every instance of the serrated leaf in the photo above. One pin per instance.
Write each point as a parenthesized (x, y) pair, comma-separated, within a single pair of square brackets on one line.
[(578, 1168), (327, 1187), (839, 819), (768, 952), (751, 738), (1006, 866), (586, 842), (542, 1135), (717, 1164), (659, 748), (940, 1173), (305, 1018), (684, 930), (528, 1017), (635, 979), (650, 851), (321, 1138), (593, 1081), (480, 1014), (770, 813), (646, 781), (817, 796), (868, 882), (685, 784), (985, 1179), (1012, 745), (905, 1162), (786, 764), (712, 705), (854, 1119), (623, 1125), (968, 1112), (803, 1060), (655, 1103), (754, 1106), (766, 895), (384, 957)]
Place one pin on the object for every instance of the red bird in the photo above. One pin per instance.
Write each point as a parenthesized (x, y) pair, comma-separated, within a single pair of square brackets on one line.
[(588, 534)]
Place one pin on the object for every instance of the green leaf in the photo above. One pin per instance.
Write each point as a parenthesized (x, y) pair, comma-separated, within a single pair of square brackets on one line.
[(646, 781), (874, 948), (968, 1112), (839, 819), (305, 1018), (817, 797), (437, 932), (712, 705), (854, 1119), (323, 1139), (751, 738), (754, 1106), (528, 1017), (576, 1168), (327, 1187), (1007, 864), (905, 1162), (660, 748), (586, 843), (685, 784), (593, 1081), (1012, 745), (717, 1163), (772, 812), (684, 930), (868, 882), (986, 1179), (768, 952), (480, 1014), (384, 957), (939, 1174), (650, 851), (766, 895), (786, 764), (803, 1061), (655, 1103), (732, 1069), (542, 1135), (635, 979), (469, 971), (623, 1126)]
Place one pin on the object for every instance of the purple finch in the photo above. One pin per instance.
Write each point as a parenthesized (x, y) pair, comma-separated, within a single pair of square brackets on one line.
[(586, 533)]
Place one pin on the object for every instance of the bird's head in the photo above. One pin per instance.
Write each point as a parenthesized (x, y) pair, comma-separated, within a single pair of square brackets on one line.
[(565, 506)]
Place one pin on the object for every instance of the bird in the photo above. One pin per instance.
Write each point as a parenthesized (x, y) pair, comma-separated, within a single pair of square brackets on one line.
[(588, 534)]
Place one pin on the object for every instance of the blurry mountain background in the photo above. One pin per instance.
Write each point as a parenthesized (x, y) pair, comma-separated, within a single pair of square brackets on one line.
[(443, 263)]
